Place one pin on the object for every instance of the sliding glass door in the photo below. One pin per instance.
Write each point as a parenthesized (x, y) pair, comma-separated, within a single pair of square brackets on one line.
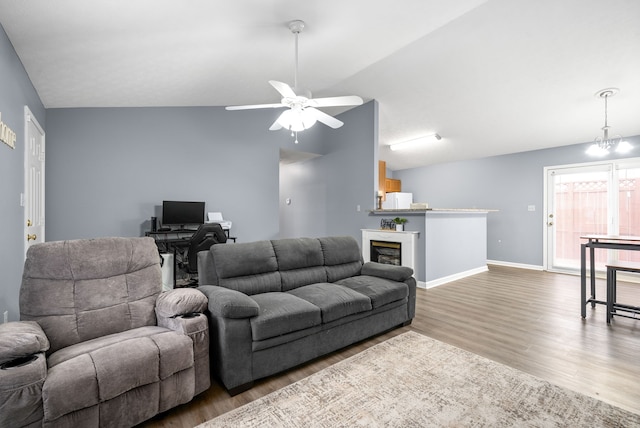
[(628, 203), (593, 199)]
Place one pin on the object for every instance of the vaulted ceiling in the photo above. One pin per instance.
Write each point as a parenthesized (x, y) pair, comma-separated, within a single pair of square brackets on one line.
[(490, 76)]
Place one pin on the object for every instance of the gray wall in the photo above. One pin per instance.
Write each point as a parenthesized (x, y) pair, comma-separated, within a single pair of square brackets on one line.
[(16, 91), (508, 183), (109, 169), (325, 192)]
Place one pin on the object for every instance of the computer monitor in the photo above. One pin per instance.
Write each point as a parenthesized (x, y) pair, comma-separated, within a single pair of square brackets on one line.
[(181, 213)]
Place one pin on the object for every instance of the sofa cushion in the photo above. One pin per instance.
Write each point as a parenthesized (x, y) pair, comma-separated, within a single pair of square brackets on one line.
[(82, 289), (250, 267), (244, 259), (300, 262), (253, 284), (299, 277), (298, 253), (73, 351), (340, 250), (110, 369), (381, 291), (282, 313), (347, 270), (334, 301), (342, 257)]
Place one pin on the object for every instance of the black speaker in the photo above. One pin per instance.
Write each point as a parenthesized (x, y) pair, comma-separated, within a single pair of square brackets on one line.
[(154, 224)]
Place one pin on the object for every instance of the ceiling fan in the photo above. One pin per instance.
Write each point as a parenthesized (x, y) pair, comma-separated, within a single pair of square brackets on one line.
[(302, 112)]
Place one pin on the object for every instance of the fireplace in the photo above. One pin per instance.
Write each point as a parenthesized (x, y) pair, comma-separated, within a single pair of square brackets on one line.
[(388, 253), (390, 247)]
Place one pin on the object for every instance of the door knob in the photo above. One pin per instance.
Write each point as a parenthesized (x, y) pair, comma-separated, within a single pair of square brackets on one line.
[(29, 223), (31, 237)]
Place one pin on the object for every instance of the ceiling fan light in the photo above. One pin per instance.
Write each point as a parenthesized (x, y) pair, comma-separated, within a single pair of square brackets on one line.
[(284, 119), (296, 120), (596, 150), (624, 147), (308, 119), (418, 142)]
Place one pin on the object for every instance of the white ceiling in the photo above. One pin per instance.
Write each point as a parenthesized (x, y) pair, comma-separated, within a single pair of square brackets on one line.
[(491, 77)]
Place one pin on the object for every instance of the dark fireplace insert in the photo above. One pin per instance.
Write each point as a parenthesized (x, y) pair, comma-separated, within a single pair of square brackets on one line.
[(389, 253)]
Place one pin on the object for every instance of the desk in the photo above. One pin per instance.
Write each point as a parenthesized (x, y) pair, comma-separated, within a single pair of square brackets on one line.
[(171, 241), (612, 242)]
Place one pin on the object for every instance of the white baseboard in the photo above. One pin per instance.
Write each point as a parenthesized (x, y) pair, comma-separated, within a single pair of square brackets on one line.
[(445, 279), (454, 277), (515, 265)]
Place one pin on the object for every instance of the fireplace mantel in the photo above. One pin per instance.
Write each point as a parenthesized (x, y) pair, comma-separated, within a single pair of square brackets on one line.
[(408, 239)]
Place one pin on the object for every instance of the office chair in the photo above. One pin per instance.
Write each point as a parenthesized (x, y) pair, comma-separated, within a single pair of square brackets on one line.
[(207, 235)]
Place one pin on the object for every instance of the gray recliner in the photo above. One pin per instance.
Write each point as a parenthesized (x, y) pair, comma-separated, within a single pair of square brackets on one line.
[(99, 343)]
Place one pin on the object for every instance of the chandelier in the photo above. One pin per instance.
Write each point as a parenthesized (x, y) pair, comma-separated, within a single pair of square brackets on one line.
[(602, 144)]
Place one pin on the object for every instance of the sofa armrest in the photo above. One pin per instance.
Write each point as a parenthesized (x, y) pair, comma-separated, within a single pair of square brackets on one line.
[(392, 272), (21, 339), (227, 303)]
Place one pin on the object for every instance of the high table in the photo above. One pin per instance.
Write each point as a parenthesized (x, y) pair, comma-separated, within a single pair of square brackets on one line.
[(613, 242)]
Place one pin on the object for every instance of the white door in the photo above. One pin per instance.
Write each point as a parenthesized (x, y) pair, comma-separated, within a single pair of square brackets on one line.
[(590, 199), (577, 204), (33, 197)]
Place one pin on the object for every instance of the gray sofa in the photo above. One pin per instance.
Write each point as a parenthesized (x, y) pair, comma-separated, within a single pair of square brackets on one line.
[(276, 304), (98, 343)]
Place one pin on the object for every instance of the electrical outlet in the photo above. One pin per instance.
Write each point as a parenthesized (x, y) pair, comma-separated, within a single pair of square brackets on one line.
[(6, 316)]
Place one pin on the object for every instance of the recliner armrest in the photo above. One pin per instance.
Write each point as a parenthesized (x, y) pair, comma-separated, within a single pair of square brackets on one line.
[(392, 272), (20, 339), (180, 301), (191, 323), (23, 370), (227, 303)]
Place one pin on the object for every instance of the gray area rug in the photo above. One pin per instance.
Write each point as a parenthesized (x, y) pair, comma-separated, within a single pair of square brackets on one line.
[(415, 381)]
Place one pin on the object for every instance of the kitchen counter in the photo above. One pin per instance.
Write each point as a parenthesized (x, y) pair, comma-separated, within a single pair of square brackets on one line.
[(431, 210)]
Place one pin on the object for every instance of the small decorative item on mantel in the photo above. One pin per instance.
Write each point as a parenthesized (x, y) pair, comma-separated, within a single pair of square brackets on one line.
[(387, 224), (399, 221)]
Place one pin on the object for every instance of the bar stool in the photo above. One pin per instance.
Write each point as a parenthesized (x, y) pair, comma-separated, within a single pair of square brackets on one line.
[(612, 305)]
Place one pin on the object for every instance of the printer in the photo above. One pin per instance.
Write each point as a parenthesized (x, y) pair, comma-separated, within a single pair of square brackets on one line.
[(216, 217)]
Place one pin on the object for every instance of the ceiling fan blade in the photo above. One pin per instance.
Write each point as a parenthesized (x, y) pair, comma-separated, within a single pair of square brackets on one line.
[(348, 100), (284, 89), (255, 106), (276, 125), (325, 118)]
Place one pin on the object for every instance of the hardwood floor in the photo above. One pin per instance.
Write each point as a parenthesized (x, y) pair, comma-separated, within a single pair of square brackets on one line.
[(526, 319)]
